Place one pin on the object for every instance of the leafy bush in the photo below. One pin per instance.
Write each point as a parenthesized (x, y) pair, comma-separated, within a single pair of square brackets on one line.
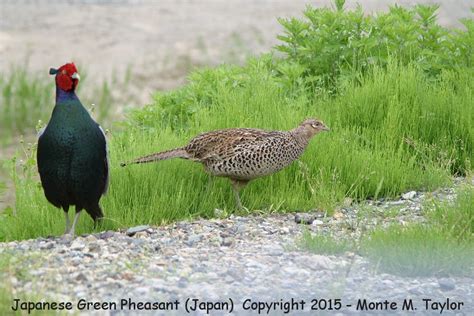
[(331, 45)]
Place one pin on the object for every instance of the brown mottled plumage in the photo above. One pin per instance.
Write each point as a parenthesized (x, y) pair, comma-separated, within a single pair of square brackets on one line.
[(243, 154)]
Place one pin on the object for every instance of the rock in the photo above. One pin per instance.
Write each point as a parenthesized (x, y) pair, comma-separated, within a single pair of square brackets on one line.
[(274, 250), (394, 203), (219, 213), (338, 215), (446, 284), (317, 222), (347, 202), (106, 235), (81, 277), (285, 230), (415, 291), (226, 242), (409, 195), (90, 238), (192, 239), (77, 244), (133, 230), (321, 262), (142, 234), (93, 247), (304, 219), (47, 245)]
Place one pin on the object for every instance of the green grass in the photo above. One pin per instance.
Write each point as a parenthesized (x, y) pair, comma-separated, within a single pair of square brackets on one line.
[(442, 247), (456, 220), (419, 251), (352, 160), (25, 98), (18, 266), (396, 125)]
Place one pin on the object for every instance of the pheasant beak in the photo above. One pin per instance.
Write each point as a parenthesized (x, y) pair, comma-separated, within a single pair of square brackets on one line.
[(326, 129), (76, 76)]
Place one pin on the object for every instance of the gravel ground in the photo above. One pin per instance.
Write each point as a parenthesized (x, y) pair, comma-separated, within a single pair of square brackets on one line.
[(241, 258)]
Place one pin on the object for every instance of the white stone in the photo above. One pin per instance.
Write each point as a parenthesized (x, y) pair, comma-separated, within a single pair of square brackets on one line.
[(409, 195)]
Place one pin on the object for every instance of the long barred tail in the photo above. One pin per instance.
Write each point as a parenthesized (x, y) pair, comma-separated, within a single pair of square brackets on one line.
[(163, 155)]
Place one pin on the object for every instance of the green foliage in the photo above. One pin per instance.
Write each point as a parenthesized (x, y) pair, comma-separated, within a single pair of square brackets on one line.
[(332, 45), (14, 265), (401, 119), (456, 219), (419, 251), (444, 246), (24, 99), (360, 158)]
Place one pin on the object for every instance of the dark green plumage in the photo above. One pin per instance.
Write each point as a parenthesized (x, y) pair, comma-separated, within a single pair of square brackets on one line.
[(72, 158)]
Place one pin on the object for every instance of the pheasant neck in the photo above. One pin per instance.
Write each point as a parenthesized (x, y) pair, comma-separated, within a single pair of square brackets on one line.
[(300, 137), (62, 95)]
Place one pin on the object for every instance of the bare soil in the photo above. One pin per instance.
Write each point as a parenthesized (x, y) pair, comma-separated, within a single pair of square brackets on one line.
[(157, 41)]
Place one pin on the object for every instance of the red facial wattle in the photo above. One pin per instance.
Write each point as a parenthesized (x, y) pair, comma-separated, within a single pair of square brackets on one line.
[(66, 77)]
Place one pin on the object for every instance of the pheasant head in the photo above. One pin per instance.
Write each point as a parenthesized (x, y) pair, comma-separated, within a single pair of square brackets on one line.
[(67, 77)]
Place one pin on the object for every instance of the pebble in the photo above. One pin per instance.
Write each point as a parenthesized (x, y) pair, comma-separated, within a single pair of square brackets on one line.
[(193, 239), (77, 244), (304, 219), (317, 222), (446, 284), (107, 234), (133, 230), (226, 242), (409, 195)]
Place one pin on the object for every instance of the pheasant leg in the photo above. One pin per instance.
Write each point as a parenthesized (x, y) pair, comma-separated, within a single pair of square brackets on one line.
[(237, 185), (68, 223), (76, 217)]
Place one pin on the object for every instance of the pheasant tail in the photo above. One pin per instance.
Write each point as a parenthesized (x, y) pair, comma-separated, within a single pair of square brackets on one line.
[(163, 155)]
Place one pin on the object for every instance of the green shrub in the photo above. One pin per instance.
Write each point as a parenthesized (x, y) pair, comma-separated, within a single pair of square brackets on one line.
[(334, 44)]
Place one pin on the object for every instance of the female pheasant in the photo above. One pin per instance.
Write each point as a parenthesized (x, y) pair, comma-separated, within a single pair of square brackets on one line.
[(243, 154), (72, 153)]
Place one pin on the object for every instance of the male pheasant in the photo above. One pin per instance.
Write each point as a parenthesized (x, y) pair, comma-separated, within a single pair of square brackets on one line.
[(72, 153), (243, 154)]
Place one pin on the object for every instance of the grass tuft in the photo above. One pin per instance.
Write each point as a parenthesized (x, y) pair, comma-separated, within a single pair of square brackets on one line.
[(442, 247)]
